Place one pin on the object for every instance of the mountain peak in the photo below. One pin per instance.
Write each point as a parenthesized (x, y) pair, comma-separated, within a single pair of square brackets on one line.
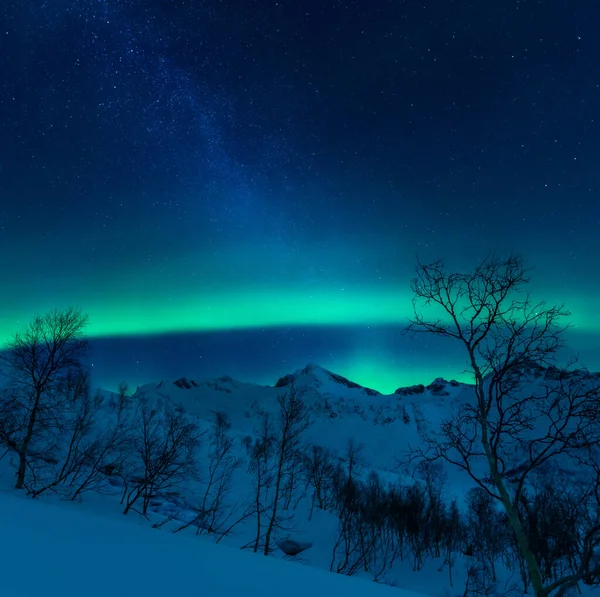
[(314, 375)]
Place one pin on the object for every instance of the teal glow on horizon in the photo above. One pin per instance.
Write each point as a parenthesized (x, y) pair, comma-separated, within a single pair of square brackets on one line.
[(365, 360), (248, 309), (253, 287)]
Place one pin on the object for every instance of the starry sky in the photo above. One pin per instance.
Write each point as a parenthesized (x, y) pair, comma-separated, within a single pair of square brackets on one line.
[(243, 186)]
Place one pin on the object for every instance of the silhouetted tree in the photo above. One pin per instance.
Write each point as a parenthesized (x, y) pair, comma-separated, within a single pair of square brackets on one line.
[(164, 448), (348, 554), (377, 537), (293, 421), (454, 536), (109, 450), (222, 463), (39, 361), (319, 470), (516, 431), (71, 445), (486, 535), (261, 451)]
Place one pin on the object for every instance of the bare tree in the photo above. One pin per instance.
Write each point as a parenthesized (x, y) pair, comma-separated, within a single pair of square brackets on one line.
[(516, 431), (110, 448), (348, 554), (378, 543), (453, 537), (274, 460), (320, 469), (417, 524), (70, 443), (293, 422), (38, 361), (434, 480), (260, 450), (164, 446), (487, 537), (222, 463), (295, 488)]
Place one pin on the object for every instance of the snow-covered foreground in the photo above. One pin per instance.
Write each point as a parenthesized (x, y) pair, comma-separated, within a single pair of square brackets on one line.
[(60, 550)]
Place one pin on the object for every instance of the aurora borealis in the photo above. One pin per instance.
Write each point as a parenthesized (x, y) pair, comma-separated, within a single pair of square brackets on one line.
[(242, 187)]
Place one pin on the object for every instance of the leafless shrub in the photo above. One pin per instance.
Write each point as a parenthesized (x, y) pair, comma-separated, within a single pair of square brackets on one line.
[(164, 450), (319, 470), (214, 513)]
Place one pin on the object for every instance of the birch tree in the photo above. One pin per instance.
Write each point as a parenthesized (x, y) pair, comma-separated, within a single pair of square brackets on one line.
[(527, 418)]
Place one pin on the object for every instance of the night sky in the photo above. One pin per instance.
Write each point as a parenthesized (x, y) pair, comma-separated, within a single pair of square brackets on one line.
[(243, 186)]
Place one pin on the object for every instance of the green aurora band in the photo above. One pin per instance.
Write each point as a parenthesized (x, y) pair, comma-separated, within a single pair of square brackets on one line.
[(229, 293), (250, 309)]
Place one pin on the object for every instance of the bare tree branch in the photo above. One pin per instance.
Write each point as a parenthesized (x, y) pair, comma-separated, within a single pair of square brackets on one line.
[(39, 363), (515, 429)]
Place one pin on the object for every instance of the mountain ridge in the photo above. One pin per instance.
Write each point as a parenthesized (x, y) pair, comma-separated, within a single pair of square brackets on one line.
[(311, 375)]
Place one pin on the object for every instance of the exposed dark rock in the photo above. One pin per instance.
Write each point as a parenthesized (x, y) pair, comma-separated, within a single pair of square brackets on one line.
[(222, 384), (411, 390), (285, 381), (291, 547), (438, 387)]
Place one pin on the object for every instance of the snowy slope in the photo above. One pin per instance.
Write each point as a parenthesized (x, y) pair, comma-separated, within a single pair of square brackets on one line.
[(64, 551), (126, 550), (386, 425)]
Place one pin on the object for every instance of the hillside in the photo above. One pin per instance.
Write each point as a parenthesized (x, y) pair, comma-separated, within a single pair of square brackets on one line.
[(358, 433), (386, 425), (66, 551)]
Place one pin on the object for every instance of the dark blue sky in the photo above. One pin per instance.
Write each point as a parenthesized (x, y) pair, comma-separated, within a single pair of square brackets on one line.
[(232, 167)]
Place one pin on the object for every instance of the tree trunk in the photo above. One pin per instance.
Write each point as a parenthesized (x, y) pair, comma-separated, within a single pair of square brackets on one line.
[(511, 510), (513, 516), (21, 470), (276, 497), (26, 441), (258, 509)]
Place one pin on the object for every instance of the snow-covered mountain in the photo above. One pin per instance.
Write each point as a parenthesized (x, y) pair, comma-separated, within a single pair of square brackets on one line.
[(341, 410), (383, 429)]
